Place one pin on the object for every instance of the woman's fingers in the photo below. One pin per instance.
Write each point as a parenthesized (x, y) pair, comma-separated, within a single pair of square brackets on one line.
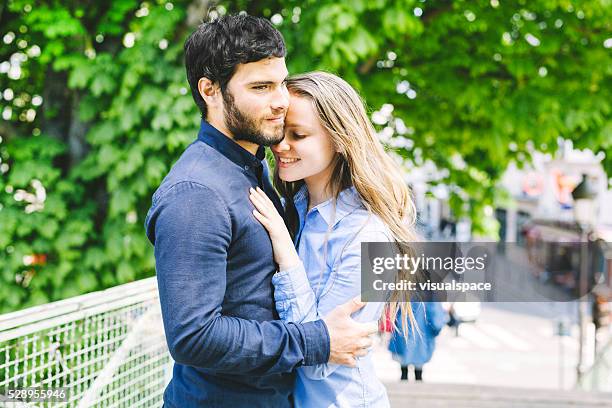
[(258, 196), (265, 200), (265, 205), (261, 218), (258, 202), (265, 196)]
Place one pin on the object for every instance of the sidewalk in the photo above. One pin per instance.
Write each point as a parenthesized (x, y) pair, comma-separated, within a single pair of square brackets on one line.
[(506, 346), (473, 396), (508, 358)]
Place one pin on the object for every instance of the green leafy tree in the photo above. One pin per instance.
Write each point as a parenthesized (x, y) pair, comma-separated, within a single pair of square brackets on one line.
[(95, 109)]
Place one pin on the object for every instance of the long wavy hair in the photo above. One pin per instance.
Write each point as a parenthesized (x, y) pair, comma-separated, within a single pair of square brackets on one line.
[(361, 162)]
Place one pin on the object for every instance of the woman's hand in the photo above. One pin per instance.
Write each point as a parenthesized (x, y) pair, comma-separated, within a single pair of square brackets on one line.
[(285, 254)]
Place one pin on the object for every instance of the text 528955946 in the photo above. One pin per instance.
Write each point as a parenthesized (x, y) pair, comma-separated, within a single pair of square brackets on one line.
[(34, 394)]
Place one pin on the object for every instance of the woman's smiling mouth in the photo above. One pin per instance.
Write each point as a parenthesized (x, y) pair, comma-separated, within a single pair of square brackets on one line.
[(287, 161)]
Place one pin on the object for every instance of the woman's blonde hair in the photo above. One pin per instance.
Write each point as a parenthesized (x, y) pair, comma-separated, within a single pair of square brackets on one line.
[(361, 162)]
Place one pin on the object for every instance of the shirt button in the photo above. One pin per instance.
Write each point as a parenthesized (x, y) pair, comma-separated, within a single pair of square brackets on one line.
[(246, 167)]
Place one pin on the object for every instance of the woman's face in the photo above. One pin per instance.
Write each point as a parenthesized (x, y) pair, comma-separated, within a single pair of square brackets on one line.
[(307, 151)]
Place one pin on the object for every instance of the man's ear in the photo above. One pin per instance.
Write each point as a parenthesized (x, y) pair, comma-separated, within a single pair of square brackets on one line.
[(209, 91)]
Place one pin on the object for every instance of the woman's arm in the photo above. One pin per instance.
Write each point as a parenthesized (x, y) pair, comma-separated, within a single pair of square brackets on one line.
[(285, 254), (292, 293), (296, 302), (294, 297)]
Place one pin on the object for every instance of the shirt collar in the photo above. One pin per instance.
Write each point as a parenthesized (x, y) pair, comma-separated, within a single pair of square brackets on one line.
[(229, 148), (348, 201)]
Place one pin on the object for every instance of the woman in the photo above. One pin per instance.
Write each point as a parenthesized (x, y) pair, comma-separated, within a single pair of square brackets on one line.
[(340, 189)]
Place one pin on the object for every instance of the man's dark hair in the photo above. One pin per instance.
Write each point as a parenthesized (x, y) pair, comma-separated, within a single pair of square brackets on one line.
[(217, 47)]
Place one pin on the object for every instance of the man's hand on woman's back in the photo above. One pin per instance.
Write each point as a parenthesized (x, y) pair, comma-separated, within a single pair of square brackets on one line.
[(348, 338)]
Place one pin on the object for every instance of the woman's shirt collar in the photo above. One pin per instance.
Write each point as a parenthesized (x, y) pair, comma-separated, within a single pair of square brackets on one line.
[(348, 201)]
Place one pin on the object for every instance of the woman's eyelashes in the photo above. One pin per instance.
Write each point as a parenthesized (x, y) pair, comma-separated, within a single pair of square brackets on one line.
[(297, 135)]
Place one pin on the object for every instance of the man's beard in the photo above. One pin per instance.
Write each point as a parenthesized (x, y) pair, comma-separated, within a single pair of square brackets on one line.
[(246, 128)]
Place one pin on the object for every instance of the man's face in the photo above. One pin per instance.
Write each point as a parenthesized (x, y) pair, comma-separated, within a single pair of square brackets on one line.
[(256, 101)]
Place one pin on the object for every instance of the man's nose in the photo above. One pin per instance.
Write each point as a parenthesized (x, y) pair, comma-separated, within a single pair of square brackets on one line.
[(280, 99)]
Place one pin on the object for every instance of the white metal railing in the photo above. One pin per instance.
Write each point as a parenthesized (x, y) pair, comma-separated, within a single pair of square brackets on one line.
[(599, 375), (106, 348)]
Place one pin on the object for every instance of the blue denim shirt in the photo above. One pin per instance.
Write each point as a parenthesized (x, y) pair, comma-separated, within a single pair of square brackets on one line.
[(326, 278), (214, 267)]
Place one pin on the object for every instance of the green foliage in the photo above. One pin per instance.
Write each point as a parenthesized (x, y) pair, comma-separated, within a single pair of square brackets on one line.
[(473, 86), (135, 110)]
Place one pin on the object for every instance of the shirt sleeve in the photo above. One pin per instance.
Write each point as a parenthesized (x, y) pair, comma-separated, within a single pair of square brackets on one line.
[(191, 230), (295, 300)]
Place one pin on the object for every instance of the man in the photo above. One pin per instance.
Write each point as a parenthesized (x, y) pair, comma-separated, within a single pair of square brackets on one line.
[(214, 260)]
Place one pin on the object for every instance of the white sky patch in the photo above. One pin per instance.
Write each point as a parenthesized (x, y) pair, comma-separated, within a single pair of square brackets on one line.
[(9, 37), (276, 19), (402, 87), (128, 40), (34, 51), (378, 118), (532, 40), (506, 38), (14, 72), (542, 71), (8, 94), (142, 12), (30, 115), (7, 113)]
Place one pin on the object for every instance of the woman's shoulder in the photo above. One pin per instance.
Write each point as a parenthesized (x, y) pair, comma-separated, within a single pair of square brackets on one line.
[(356, 220), (366, 226), (375, 230)]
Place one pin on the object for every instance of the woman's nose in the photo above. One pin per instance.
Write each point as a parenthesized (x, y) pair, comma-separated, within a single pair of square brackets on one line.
[(282, 146)]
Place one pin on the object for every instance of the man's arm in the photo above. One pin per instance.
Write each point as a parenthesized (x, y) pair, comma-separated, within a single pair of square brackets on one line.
[(296, 301), (191, 230)]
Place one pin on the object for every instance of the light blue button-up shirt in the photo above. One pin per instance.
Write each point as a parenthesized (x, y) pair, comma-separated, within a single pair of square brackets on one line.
[(326, 278)]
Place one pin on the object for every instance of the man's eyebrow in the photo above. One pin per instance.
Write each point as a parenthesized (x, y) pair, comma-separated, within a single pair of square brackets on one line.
[(266, 82)]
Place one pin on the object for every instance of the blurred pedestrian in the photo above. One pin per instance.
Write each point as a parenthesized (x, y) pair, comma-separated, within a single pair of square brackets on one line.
[(418, 348)]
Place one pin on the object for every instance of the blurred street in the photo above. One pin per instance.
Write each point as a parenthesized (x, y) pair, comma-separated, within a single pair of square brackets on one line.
[(510, 344), (430, 395)]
